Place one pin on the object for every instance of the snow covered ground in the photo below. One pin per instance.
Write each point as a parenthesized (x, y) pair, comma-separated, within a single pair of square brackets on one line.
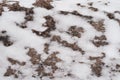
[(59, 39)]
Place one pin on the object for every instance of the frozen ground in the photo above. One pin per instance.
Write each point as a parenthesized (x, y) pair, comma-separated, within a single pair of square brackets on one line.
[(60, 40)]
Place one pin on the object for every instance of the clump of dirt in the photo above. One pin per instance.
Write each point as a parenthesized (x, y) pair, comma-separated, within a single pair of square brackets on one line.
[(22, 25), (50, 24), (118, 50), (64, 12), (16, 7), (73, 46), (49, 62), (3, 31), (11, 72), (43, 3), (14, 72), (76, 13), (100, 41), (117, 12), (98, 57), (97, 67), (1, 9), (29, 14), (35, 58), (6, 40), (46, 33), (81, 15), (110, 15), (52, 60), (56, 38), (13, 62), (29, 11), (99, 26), (29, 18), (90, 3), (38, 33), (75, 31), (117, 66), (93, 9), (40, 70), (46, 48), (102, 37), (78, 4)]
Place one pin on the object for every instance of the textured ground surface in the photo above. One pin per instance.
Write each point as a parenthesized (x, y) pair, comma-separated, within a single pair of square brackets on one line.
[(60, 40)]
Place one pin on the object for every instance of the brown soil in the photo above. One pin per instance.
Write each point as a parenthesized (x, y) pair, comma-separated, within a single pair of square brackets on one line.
[(43, 3), (75, 31), (99, 26), (6, 40), (100, 41), (73, 46), (97, 67), (76, 13), (11, 72)]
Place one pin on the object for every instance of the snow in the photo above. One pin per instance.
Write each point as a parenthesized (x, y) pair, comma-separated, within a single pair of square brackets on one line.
[(73, 62)]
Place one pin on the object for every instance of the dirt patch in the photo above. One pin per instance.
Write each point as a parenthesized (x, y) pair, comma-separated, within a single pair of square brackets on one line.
[(29, 18), (73, 46), (38, 33), (117, 12), (35, 58), (100, 41), (52, 60), (49, 62), (16, 7), (93, 9), (21, 25), (98, 57), (43, 3), (99, 26), (46, 33), (1, 9), (46, 48), (29, 14), (97, 67), (6, 40), (110, 15), (78, 4), (13, 62), (75, 31), (90, 3), (117, 66), (76, 13), (50, 24), (11, 72)]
